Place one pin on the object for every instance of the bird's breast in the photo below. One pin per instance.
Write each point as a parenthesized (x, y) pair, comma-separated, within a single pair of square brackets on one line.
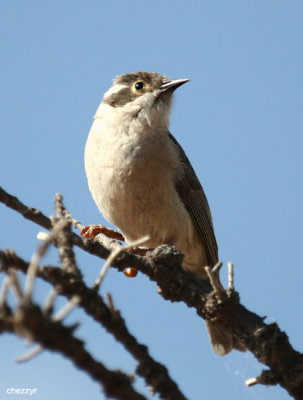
[(131, 174)]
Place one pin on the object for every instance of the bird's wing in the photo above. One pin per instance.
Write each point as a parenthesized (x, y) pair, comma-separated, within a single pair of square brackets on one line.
[(195, 201)]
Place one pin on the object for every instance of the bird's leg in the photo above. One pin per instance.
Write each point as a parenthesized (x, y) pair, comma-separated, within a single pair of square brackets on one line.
[(90, 231), (131, 272), (140, 251)]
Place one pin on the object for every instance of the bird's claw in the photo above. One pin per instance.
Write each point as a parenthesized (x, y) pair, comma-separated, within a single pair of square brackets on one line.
[(140, 251), (90, 231)]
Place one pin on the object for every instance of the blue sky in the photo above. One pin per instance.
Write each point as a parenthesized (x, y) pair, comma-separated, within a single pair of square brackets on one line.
[(240, 122)]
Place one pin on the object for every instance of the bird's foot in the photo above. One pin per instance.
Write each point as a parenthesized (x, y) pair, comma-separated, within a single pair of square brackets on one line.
[(140, 251), (90, 231), (131, 272)]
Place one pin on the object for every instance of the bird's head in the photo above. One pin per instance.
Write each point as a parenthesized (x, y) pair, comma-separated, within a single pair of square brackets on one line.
[(146, 96)]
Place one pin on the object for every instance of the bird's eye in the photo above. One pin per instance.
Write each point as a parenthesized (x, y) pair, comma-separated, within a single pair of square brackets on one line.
[(139, 85)]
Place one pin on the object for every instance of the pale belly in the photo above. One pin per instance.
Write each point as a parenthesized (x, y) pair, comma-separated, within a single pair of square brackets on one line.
[(136, 192), (140, 206)]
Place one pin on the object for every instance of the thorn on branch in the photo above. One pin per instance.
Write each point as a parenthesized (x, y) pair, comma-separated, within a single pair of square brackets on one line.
[(267, 378), (34, 264), (251, 382), (110, 302), (216, 268), (30, 354), (67, 309), (49, 302), (76, 224), (63, 237), (213, 275), (14, 284), (231, 285), (4, 292)]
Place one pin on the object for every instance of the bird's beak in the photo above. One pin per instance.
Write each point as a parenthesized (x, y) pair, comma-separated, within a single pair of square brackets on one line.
[(172, 85)]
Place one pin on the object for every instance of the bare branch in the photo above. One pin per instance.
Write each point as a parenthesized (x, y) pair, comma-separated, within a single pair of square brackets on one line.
[(64, 238), (30, 213), (29, 322), (69, 285), (266, 341)]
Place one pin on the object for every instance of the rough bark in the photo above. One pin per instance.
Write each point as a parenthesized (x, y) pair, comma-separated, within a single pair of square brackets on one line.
[(163, 265)]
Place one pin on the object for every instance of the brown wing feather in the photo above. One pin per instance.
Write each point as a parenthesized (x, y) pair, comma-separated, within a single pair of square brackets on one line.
[(195, 201), (193, 197)]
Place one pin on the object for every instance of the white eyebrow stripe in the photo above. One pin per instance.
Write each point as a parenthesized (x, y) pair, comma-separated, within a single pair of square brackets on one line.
[(114, 89)]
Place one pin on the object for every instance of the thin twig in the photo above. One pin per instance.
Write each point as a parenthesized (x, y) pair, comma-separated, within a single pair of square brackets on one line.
[(77, 224), (30, 354), (214, 281), (49, 301), (64, 238), (217, 267), (34, 264), (110, 302), (4, 291), (33, 214), (251, 382), (231, 285), (14, 283), (67, 309)]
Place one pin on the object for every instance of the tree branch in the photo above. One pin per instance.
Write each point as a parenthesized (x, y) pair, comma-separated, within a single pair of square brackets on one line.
[(28, 321), (266, 341), (70, 285)]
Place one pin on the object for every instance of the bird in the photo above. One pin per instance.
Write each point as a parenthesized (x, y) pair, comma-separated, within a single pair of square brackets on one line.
[(142, 181)]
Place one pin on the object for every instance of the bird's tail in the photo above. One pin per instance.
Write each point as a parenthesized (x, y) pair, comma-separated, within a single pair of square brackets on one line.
[(220, 337)]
